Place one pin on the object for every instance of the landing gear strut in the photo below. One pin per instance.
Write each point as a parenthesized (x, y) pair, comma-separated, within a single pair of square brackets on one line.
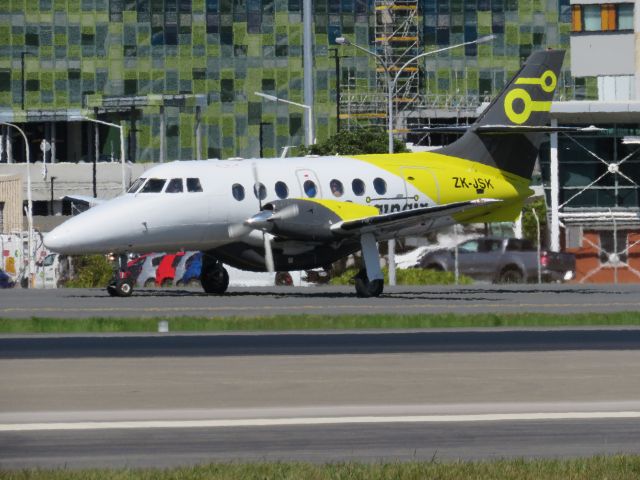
[(369, 280), (213, 276), (120, 285)]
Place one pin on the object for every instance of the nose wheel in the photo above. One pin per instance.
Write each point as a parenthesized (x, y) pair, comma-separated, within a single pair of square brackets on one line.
[(120, 285)]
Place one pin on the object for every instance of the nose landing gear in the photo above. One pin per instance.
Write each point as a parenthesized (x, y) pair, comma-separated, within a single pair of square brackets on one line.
[(120, 285)]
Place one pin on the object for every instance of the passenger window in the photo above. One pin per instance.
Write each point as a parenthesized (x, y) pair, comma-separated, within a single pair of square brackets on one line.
[(336, 188), (260, 191), (358, 187), (153, 185), (193, 185), (136, 185), (380, 186), (310, 189), (282, 191), (175, 186), (238, 191)]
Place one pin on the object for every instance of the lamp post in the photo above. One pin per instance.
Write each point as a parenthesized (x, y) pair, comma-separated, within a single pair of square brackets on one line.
[(391, 86), (121, 128), (392, 81), (309, 134), (29, 201)]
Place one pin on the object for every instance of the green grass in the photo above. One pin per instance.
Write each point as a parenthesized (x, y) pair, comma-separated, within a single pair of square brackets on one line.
[(408, 276), (615, 467), (315, 322)]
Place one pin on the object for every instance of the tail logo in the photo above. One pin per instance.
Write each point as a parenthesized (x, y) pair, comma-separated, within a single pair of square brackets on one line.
[(547, 82)]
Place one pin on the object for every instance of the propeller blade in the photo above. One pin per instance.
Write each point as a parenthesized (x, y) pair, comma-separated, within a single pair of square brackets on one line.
[(268, 253)]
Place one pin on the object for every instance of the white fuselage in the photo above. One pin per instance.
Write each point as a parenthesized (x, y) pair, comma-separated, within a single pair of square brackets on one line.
[(162, 221)]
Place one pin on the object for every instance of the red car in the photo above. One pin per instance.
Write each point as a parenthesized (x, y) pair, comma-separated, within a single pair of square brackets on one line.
[(167, 269)]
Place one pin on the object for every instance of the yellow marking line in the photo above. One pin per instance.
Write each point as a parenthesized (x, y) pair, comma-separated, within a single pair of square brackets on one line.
[(320, 307), (298, 421)]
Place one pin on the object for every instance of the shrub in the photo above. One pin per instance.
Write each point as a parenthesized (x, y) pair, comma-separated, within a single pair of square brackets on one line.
[(409, 276), (90, 271)]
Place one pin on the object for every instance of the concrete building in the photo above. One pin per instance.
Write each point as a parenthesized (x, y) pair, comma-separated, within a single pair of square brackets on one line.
[(10, 203), (592, 180)]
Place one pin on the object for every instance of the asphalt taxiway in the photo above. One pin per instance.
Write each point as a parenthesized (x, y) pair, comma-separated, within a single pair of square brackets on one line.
[(548, 298), (160, 400)]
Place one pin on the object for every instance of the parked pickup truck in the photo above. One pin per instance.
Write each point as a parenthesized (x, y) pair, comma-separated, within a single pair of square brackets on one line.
[(502, 260)]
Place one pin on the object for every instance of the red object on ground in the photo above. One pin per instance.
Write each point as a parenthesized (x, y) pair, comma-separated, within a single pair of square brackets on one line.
[(167, 269)]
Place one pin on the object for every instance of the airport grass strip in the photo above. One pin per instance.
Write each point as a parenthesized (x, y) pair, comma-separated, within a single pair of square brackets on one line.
[(620, 467), (316, 322)]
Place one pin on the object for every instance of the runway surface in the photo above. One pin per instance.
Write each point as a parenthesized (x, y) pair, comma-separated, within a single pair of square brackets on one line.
[(154, 400), (549, 298)]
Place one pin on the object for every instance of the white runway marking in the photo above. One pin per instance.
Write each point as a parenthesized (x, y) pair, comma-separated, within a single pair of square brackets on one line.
[(303, 421)]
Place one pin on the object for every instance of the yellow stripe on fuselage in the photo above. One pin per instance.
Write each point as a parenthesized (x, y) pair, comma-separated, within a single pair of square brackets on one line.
[(447, 179), (346, 210)]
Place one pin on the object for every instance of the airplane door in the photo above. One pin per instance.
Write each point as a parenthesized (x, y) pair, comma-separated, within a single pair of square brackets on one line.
[(421, 185), (309, 183)]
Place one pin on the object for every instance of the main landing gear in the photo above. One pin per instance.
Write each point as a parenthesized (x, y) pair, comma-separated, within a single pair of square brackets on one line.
[(369, 280), (120, 285), (213, 276)]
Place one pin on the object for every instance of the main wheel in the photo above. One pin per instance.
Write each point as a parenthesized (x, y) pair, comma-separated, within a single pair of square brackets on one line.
[(366, 288), (215, 280)]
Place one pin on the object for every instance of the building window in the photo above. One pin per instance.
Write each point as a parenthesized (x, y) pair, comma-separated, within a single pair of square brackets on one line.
[(625, 16), (1, 217), (591, 15), (608, 17)]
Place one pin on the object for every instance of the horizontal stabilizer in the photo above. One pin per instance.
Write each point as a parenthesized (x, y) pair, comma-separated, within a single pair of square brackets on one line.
[(494, 129), (489, 129)]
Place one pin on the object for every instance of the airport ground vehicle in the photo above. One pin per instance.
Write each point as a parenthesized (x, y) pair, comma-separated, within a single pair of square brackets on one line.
[(502, 260), (5, 280)]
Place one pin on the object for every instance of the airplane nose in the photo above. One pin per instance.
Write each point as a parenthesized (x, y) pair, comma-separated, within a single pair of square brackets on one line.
[(55, 240)]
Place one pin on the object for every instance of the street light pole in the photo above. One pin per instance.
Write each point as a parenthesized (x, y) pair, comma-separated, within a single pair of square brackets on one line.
[(29, 201), (309, 140), (122, 161)]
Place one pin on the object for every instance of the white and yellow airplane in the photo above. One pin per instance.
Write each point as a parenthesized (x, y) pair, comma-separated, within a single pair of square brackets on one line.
[(302, 213)]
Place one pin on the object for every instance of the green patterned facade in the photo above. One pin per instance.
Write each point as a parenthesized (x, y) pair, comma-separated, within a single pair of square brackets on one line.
[(82, 53)]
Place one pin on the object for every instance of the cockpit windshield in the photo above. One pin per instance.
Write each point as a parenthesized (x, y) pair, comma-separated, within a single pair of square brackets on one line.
[(153, 185), (136, 185)]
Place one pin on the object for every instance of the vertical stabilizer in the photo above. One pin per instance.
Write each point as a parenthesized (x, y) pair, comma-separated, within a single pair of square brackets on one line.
[(524, 103)]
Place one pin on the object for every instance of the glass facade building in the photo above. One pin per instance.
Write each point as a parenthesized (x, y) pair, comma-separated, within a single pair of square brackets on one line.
[(177, 71)]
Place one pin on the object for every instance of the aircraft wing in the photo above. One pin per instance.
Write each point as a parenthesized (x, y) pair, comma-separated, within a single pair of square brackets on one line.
[(408, 218), (328, 220)]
